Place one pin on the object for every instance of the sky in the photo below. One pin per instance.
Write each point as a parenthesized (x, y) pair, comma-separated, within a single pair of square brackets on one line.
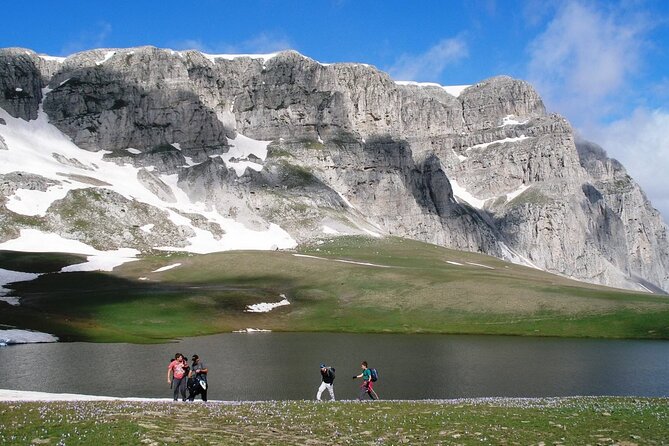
[(604, 65)]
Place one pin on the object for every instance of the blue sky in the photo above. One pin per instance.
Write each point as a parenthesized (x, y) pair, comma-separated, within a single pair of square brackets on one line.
[(602, 64)]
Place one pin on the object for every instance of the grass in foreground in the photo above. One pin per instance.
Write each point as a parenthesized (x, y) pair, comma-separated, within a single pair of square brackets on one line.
[(583, 421), (414, 288)]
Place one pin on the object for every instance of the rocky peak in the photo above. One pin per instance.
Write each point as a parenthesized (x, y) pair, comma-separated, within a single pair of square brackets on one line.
[(214, 144)]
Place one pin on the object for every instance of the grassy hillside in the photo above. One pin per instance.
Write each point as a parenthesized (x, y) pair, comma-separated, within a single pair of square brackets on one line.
[(406, 287), (601, 421)]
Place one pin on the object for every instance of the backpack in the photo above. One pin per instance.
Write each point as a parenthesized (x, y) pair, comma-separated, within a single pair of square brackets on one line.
[(375, 375)]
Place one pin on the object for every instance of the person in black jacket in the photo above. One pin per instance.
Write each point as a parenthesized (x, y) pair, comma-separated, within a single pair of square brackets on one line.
[(327, 377)]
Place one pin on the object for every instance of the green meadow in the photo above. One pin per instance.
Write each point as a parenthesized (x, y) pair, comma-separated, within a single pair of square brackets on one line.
[(346, 284), (555, 421)]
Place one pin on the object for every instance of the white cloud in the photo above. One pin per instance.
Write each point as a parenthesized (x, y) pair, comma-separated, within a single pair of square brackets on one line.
[(641, 143), (584, 56), (428, 66), (584, 65), (88, 39)]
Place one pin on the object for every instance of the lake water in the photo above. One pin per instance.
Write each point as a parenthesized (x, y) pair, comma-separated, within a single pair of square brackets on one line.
[(264, 366)]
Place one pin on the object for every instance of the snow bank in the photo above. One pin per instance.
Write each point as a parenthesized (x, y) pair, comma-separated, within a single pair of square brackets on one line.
[(461, 195), (33, 240), (17, 336), (166, 268), (24, 395), (7, 276), (107, 261), (267, 307)]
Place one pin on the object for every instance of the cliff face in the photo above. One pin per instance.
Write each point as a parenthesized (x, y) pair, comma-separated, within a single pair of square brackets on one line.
[(285, 145)]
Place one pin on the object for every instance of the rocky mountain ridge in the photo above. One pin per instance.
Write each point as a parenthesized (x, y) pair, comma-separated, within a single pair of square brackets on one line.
[(224, 152)]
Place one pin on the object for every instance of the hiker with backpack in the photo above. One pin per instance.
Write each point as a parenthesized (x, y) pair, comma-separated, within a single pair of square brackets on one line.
[(369, 377), (327, 382), (177, 373), (197, 379)]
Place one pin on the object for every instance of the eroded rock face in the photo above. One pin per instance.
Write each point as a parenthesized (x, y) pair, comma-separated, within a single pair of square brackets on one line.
[(351, 152), (20, 83)]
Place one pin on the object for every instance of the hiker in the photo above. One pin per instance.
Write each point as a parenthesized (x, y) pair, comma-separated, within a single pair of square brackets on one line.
[(327, 378), (197, 379), (177, 373), (367, 383)]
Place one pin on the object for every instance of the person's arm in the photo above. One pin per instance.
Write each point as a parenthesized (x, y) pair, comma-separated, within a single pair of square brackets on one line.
[(169, 378), (357, 376)]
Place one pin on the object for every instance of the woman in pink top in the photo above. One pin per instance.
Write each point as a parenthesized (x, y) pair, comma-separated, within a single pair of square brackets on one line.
[(177, 373)]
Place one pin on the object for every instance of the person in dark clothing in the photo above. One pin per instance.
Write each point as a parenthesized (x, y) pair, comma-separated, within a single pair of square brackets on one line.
[(327, 382), (197, 379), (367, 383)]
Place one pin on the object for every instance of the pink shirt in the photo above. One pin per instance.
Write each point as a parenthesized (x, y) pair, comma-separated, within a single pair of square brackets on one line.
[(177, 368)]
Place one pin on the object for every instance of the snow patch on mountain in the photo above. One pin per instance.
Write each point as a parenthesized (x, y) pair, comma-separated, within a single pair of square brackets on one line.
[(241, 148), (52, 58), (31, 145), (511, 120), (237, 235), (166, 268), (108, 55), (265, 307), (462, 195), (511, 195), (499, 141), (453, 90), (35, 202), (263, 57)]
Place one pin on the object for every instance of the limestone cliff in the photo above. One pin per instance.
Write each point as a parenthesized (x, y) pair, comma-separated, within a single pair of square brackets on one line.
[(283, 141)]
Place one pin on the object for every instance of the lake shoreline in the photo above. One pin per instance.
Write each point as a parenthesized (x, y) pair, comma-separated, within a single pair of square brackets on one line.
[(18, 396)]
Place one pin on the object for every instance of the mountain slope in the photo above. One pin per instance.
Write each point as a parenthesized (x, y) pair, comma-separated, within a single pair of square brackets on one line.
[(344, 284), (146, 148)]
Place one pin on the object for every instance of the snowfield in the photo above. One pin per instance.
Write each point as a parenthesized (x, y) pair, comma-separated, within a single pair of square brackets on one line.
[(39, 148)]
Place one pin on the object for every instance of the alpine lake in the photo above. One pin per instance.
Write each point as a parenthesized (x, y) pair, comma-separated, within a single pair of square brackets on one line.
[(285, 366)]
